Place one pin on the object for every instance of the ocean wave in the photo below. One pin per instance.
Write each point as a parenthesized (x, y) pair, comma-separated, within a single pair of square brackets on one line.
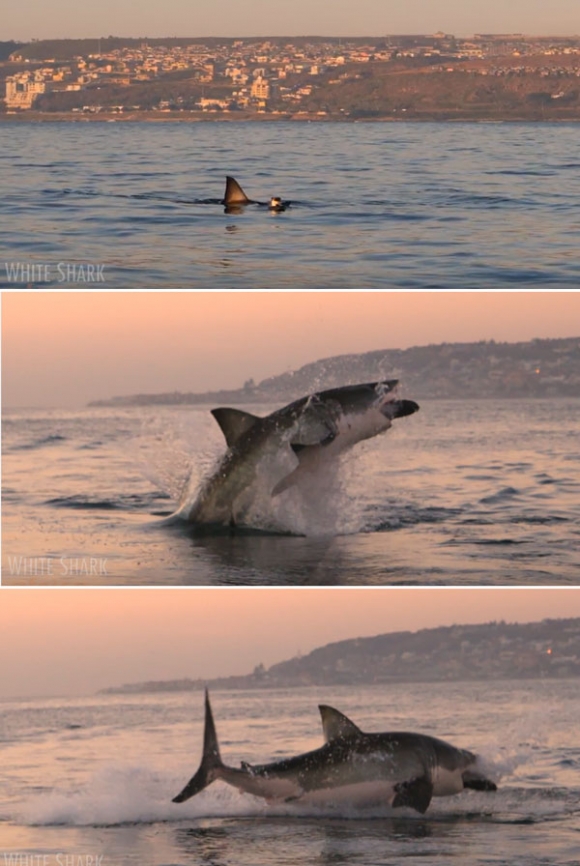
[(506, 493), (42, 442), (125, 502)]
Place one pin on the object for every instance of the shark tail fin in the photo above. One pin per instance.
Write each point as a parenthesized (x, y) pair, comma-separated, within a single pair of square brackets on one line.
[(211, 761)]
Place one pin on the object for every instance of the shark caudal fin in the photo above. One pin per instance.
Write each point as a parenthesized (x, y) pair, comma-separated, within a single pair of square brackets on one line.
[(234, 194), (211, 761)]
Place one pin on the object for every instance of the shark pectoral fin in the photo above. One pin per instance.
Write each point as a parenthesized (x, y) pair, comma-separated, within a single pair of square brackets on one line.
[(304, 453), (233, 423), (307, 455), (416, 793), (285, 482), (315, 429), (336, 725)]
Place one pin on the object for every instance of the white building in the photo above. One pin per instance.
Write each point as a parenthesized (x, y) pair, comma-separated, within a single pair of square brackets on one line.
[(22, 90), (260, 89)]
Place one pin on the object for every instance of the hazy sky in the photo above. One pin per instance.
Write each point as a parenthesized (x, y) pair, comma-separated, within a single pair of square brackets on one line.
[(69, 18), (63, 349), (76, 641)]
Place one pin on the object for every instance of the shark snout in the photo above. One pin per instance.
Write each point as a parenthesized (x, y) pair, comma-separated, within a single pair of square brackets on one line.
[(399, 408)]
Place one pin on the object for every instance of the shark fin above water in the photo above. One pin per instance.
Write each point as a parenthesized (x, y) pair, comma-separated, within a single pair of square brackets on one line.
[(234, 194), (234, 423), (336, 725)]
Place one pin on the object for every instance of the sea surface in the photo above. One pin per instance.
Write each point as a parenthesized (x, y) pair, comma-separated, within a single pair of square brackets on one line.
[(94, 777), (463, 492), (374, 205)]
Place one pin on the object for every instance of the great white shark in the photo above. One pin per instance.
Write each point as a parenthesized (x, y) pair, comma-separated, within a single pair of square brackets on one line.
[(393, 769), (311, 432), (235, 199)]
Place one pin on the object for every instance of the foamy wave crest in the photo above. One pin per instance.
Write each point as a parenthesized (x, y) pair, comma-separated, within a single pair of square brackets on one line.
[(133, 795)]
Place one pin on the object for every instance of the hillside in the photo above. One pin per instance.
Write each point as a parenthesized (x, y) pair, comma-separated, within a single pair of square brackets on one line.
[(446, 89), (540, 368), (498, 650), (422, 77)]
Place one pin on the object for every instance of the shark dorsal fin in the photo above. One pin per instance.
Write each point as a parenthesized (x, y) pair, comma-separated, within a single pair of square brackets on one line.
[(336, 725), (234, 194), (234, 423)]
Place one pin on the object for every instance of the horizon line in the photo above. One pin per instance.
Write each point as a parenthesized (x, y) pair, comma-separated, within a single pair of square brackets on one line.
[(523, 35)]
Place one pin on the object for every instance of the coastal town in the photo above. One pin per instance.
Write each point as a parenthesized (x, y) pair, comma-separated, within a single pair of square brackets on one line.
[(394, 77)]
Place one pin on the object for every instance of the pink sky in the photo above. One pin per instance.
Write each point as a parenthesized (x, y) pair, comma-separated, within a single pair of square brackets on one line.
[(76, 641), (65, 348), (66, 18)]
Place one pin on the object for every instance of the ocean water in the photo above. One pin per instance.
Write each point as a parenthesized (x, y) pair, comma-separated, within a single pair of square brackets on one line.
[(94, 777), (463, 492), (375, 205)]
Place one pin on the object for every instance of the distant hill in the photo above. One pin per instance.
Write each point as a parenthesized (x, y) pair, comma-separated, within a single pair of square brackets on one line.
[(67, 49), (7, 48), (497, 650), (539, 368)]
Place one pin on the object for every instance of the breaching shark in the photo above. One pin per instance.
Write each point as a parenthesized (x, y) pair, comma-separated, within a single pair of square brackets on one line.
[(311, 431), (235, 199), (393, 769)]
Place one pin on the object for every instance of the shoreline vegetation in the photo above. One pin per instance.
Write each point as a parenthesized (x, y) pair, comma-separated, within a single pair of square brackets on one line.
[(483, 370)]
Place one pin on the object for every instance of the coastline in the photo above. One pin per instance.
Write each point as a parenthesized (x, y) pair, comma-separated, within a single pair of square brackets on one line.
[(31, 116)]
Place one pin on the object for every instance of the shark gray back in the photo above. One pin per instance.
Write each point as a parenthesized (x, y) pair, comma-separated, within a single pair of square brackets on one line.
[(393, 769)]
